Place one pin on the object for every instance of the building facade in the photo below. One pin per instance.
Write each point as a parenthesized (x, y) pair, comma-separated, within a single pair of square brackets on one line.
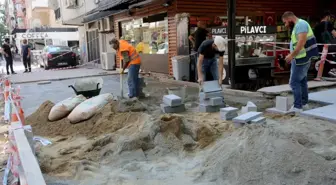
[(15, 14)]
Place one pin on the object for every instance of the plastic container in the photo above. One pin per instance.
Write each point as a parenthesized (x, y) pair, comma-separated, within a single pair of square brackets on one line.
[(181, 67)]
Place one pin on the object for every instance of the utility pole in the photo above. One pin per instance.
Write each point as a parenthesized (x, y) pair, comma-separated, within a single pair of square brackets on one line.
[(231, 4)]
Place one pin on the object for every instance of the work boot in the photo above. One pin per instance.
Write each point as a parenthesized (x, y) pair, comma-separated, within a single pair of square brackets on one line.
[(13, 73), (26, 71), (8, 73)]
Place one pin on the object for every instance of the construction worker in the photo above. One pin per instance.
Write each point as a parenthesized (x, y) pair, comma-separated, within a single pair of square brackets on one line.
[(132, 61), (303, 48), (207, 60)]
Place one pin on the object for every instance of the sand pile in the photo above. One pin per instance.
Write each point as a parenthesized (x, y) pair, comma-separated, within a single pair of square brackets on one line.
[(298, 152), (108, 120)]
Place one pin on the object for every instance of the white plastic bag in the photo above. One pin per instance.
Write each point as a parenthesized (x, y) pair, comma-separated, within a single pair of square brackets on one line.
[(89, 108), (63, 108)]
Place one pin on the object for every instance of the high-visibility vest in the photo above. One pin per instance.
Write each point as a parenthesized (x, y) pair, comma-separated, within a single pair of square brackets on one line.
[(310, 48), (133, 55)]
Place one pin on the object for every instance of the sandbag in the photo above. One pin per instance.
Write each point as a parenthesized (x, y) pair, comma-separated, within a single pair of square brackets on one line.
[(63, 108), (89, 108)]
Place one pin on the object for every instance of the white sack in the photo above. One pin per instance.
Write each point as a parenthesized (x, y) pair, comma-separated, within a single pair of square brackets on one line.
[(63, 108)]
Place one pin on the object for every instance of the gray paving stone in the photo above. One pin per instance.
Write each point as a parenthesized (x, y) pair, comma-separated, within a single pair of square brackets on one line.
[(209, 108), (238, 125), (172, 100), (245, 118), (282, 103), (167, 109), (259, 120), (205, 96), (276, 111), (211, 86), (213, 101), (228, 116), (229, 109), (326, 97), (325, 113)]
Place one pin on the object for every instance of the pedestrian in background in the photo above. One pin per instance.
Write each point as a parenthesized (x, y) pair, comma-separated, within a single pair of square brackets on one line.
[(6, 50), (25, 53), (303, 48)]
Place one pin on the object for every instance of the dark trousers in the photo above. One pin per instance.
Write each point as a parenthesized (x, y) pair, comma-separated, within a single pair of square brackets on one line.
[(9, 63), (27, 64)]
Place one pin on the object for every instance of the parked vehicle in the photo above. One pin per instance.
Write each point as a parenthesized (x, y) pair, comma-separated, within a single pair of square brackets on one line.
[(58, 56)]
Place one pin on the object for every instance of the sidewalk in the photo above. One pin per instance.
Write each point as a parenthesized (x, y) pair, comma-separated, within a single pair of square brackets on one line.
[(39, 74)]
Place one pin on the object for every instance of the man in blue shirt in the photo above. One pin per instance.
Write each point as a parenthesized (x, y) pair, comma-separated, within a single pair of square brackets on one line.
[(302, 48)]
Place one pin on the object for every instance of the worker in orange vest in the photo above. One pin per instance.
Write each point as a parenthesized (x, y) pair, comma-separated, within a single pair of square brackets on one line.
[(132, 61)]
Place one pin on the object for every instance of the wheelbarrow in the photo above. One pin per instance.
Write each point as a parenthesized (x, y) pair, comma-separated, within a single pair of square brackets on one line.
[(88, 87)]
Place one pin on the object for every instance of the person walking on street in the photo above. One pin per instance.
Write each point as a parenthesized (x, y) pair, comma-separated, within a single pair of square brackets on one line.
[(132, 61), (25, 52), (8, 56), (207, 61), (303, 48)]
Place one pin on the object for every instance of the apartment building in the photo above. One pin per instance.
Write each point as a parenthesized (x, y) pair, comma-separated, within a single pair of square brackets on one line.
[(72, 13), (15, 15)]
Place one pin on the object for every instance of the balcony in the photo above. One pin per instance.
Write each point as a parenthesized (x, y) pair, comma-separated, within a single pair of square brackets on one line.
[(71, 4), (58, 14)]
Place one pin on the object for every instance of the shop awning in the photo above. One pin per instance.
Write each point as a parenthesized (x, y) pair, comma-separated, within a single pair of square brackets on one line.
[(98, 15), (18, 30)]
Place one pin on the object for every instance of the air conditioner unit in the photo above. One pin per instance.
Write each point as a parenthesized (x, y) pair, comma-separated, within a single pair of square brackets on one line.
[(108, 23), (101, 25), (107, 61)]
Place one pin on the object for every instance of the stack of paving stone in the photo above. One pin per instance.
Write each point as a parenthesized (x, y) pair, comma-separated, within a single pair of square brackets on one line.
[(211, 97), (172, 104), (228, 113), (249, 118)]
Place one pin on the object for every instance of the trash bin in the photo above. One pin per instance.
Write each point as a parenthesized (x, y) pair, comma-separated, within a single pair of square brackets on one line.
[(181, 67)]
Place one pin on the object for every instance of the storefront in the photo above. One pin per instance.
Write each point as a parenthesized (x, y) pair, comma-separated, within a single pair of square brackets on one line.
[(149, 35)]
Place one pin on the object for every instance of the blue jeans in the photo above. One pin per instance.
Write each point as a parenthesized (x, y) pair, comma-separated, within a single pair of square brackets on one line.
[(210, 66), (133, 80), (299, 83)]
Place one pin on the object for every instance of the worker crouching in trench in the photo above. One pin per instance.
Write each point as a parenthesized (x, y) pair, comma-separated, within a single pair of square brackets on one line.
[(132, 61)]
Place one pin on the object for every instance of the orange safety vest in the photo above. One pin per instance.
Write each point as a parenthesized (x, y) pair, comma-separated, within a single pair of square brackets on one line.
[(134, 56)]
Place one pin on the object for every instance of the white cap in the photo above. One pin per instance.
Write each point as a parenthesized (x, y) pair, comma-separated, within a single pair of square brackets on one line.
[(220, 42)]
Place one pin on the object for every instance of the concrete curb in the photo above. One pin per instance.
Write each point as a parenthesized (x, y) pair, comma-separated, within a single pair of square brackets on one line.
[(227, 91)]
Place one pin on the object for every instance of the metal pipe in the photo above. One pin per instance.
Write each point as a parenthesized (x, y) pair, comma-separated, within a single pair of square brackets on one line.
[(232, 45)]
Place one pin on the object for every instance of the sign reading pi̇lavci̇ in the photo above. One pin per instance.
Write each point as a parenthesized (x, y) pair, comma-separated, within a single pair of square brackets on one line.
[(245, 30)]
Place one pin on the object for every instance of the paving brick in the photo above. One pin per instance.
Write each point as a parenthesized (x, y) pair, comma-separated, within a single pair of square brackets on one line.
[(211, 86), (228, 116), (209, 108), (245, 118), (205, 96), (213, 101), (276, 111), (282, 103), (172, 100), (167, 109), (259, 120), (238, 125), (229, 109)]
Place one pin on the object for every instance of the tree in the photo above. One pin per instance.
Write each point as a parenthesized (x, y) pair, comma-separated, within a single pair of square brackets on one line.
[(3, 28)]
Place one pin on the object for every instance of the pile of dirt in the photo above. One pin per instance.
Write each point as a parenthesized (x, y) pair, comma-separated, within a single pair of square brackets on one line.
[(106, 121), (297, 152)]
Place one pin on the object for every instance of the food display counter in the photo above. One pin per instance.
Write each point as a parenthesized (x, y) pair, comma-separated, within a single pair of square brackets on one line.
[(255, 54)]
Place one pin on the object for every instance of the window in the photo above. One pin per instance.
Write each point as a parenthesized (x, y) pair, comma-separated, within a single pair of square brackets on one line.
[(57, 13), (148, 35), (58, 48)]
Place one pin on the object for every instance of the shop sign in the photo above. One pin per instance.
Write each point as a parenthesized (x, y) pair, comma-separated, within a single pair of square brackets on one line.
[(245, 30), (39, 35)]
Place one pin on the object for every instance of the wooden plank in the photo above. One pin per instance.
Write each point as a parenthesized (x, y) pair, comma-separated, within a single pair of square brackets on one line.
[(30, 166)]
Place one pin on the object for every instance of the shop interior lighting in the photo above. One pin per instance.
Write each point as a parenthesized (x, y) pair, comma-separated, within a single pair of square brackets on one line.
[(167, 3)]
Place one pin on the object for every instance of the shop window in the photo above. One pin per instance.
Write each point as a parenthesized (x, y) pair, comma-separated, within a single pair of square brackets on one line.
[(148, 35)]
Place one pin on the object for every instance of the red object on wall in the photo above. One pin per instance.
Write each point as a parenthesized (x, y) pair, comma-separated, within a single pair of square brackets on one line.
[(270, 19)]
